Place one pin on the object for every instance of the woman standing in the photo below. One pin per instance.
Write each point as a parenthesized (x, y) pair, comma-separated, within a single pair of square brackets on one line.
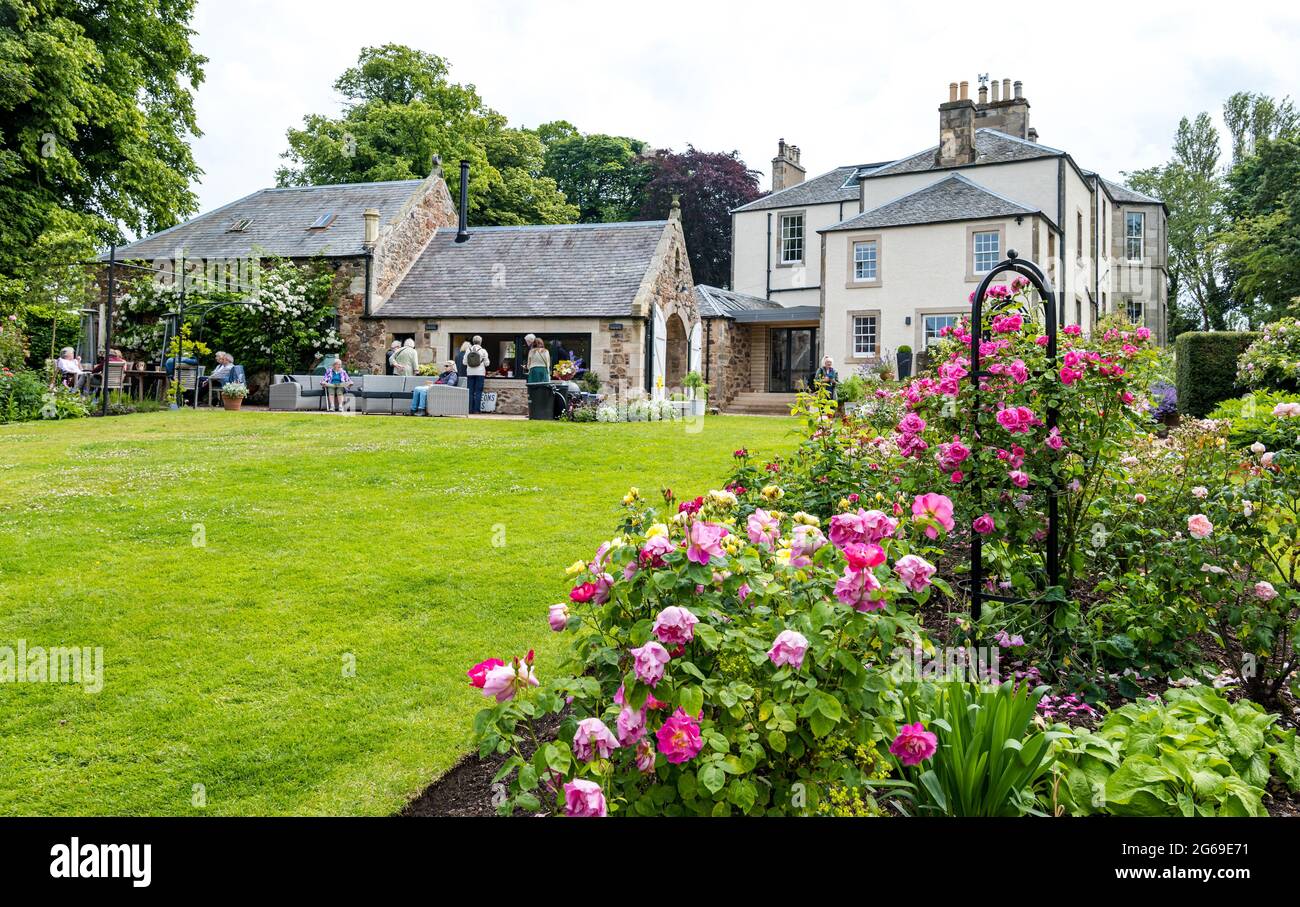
[(539, 363)]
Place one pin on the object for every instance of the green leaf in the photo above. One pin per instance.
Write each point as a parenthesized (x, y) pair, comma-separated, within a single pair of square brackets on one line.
[(776, 740), (712, 778)]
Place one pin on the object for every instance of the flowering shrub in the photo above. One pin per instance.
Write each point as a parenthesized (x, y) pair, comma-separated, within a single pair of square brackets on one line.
[(1273, 361), (721, 662), (1271, 419)]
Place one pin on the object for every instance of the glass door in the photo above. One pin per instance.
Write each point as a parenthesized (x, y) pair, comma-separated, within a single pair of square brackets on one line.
[(792, 360)]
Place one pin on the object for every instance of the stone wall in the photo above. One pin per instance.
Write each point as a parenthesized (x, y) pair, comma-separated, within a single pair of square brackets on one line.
[(728, 351), (404, 237)]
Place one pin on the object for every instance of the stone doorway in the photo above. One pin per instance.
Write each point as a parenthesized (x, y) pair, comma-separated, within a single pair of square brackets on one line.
[(677, 353)]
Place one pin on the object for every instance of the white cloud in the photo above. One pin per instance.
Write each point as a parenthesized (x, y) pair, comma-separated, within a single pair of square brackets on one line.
[(847, 82)]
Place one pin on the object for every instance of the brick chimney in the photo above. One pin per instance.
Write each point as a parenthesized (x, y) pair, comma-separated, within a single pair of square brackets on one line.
[(956, 128), (786, 169), (1008, 113)]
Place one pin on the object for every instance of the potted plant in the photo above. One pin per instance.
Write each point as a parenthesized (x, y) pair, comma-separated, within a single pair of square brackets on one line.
[(233, 394), (904, 362), (694, 382)]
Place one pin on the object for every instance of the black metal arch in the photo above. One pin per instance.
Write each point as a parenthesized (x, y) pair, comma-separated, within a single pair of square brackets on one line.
[(1040, 282)]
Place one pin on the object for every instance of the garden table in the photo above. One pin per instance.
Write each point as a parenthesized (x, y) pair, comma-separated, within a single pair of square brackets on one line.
[(146, 378)]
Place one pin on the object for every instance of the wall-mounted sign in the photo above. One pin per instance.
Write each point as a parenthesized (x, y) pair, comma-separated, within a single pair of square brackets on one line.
[(616, 325), (431, 325)]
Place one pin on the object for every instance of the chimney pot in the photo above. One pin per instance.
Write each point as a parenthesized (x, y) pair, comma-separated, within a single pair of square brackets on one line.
[(371, 219), (994, 96), (1019, 86), (965, 89), (984, 94), (952, 92), (1006, 89), (462, 234)]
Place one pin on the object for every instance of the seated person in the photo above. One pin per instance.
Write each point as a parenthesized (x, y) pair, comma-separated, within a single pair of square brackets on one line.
[(420, 396), (67, 368), (335, 384), (113, 356), (220, 375), (449, 375)]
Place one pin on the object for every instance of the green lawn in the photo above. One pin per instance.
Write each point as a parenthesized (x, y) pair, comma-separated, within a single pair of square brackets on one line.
[(326, 538)]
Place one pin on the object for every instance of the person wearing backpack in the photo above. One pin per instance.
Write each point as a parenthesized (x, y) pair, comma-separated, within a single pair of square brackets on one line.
[(476, 367)]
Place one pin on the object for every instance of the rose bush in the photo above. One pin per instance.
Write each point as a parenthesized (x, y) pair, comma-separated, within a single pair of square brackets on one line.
[(721, 662)]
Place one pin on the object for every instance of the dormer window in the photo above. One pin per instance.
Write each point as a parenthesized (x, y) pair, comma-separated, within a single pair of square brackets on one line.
[(240, 226), (323, 222)]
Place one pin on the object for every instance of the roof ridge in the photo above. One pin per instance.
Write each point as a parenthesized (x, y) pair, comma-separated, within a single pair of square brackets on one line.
[(524, 228), (1016, 138), (341, 185)]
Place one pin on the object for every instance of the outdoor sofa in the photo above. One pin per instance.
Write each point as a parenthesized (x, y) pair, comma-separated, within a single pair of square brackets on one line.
[(370, 394)]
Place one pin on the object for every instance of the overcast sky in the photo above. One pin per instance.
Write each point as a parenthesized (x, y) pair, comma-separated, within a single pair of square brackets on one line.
[(847, 82)]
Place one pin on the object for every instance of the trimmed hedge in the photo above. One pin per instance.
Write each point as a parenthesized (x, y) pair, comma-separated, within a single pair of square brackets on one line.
[(1206, 370)]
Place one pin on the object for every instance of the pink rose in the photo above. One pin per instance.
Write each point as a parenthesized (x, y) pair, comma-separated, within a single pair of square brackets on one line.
[(631, 725), (984, 524), (863, 557), (505, 680), (806, 541), (583, 798), (1264, 591), (914, 744), (558, 617), (648, 662), (860, 590), (788, 649), (593, 740), (705, 541), (936, 508), (675, 626), (914, 571), (1054, 439), (867, 526), (679, 737), (583, 592), (645, 756), (1019, 478), (1199, 526), (763, 528), (478, 674)]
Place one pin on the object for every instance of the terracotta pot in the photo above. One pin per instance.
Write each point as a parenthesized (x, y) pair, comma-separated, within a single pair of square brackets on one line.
[(232, 403)]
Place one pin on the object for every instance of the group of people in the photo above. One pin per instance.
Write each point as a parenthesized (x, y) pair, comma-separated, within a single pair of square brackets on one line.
[(472, 362)]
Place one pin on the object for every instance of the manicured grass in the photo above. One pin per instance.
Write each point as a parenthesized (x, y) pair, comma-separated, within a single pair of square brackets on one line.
[(326, 539)]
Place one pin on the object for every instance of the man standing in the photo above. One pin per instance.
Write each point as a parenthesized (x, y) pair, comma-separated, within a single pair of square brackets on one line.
[(476, 366), (392, 351), (406, 361)]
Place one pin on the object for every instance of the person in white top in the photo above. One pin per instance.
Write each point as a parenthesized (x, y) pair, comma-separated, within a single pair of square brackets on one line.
[(476, 367), (69, 368), (406, 361)]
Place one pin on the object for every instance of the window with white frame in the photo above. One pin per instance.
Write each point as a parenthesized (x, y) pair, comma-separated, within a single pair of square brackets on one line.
[(865, 261), (1134, 309), (864, 335), (791, 238), (987, 250), (933, 324), (1134, 229)]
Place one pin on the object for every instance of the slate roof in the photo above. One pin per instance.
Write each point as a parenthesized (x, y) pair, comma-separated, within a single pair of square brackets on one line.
[(950, 199), (1130, 196), (280, 222), (715, 302), (838, 185), (567, 270), (991, 147)]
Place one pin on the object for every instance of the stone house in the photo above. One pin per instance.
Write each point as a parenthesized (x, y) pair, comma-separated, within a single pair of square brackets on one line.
[(887, 253), (618, 296)]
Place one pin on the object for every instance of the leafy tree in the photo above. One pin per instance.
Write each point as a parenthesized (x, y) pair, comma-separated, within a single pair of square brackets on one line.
[(96, 113), (710, 185), (1251, 117), (1263, 241), (1191, 185), (402, 111), (604, 175)]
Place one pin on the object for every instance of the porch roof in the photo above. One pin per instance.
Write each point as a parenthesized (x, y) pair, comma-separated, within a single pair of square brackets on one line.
[(784, 315)]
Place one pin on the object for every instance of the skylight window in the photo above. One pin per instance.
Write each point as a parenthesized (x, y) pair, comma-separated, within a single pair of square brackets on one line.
[(241, 225), (323, 221)]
